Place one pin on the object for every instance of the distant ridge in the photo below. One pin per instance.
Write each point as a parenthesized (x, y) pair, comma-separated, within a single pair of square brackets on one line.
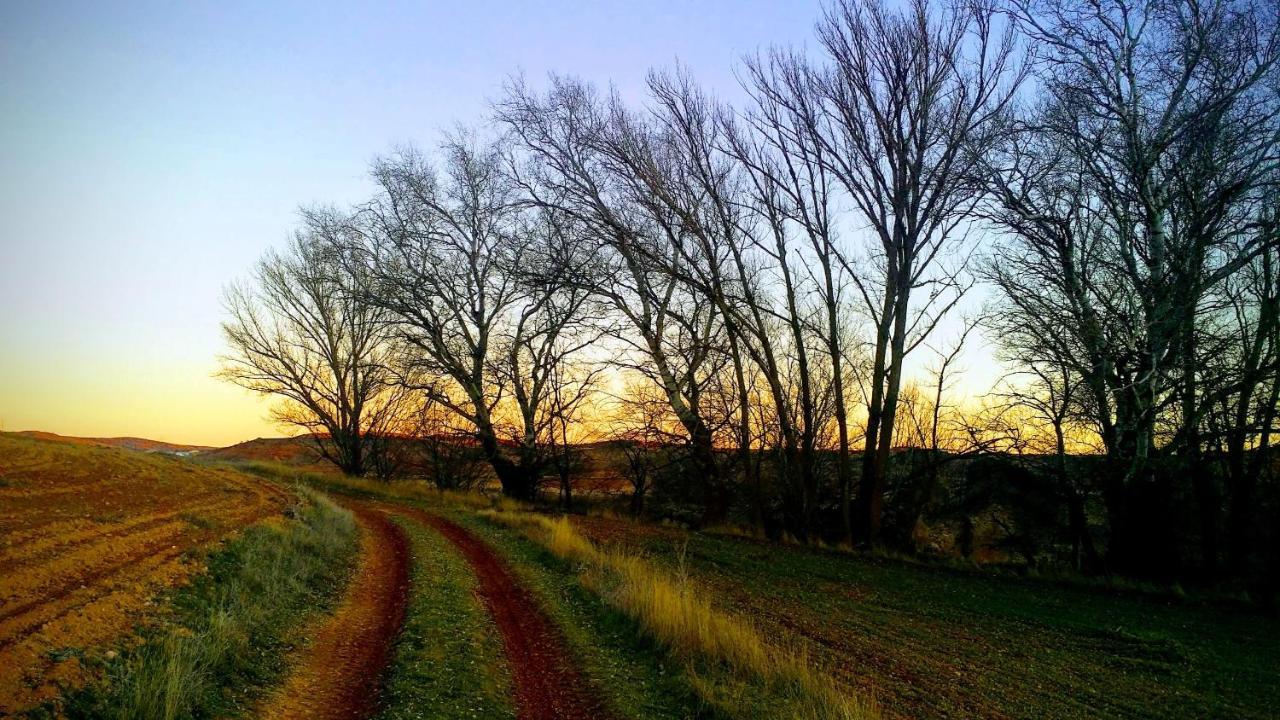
[(129, 443)]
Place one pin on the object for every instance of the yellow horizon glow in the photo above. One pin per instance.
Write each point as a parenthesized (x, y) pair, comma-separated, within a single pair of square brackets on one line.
[(174, 403), (170, 400)]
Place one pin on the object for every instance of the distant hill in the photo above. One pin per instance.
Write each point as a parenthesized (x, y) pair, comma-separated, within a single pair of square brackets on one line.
[(289, 451), (128, 443)]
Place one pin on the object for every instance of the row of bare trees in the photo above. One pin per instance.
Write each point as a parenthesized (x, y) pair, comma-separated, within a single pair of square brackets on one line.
[(1135, 274), (752, 281)]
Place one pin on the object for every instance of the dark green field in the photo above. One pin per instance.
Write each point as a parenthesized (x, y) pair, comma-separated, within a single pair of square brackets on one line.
[(940, 642)]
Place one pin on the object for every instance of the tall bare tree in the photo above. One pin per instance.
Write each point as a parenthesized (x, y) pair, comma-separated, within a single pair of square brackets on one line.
[(791, 175), (574, 155), (903, 110), (449, 255), (1131, 195), (297, 332)]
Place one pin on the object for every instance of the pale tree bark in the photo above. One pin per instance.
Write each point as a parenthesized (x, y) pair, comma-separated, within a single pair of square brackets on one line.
[(904, 109), (1155, 116)]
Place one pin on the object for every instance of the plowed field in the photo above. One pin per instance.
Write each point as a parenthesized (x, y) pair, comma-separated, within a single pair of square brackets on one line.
[(88, 535)]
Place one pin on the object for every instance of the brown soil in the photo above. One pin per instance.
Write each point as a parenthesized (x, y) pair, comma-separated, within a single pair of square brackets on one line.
[(88, 536), (338, 675), (548, 685), (622, 532), (300, 452), (128, 443)]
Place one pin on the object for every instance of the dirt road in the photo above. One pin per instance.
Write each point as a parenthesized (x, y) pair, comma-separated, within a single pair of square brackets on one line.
[(339, 673), (547, 682)]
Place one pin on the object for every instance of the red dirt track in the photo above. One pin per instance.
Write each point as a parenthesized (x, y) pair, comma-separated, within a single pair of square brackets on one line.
[(548, 685), (339, 675)]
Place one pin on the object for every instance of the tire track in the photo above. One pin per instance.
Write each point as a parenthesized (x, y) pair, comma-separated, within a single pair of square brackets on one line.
[(338, 676), (548, 684)]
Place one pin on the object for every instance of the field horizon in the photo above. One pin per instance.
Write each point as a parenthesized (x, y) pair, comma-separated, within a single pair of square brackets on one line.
[(1123, 649)]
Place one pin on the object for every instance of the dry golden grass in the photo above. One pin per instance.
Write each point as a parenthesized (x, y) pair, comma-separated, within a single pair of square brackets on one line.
[(670, 609), (667, 606)]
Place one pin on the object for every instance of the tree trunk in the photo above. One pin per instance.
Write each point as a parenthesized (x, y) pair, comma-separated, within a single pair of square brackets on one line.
[(869, 484), (884, 448)]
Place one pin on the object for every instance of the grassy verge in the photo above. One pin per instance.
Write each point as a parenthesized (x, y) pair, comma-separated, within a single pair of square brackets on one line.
[(924, 639), (731, 666), (704, 664), (932, 641), (636, 676), (448, 660), (230, 628)]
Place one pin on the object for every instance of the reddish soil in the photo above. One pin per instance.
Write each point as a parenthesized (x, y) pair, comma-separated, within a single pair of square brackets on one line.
[(339, 674), (623, 532), (297, 451), (548, 685)]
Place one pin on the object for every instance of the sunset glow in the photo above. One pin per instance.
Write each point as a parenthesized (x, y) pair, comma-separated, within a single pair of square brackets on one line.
[(149, 155)]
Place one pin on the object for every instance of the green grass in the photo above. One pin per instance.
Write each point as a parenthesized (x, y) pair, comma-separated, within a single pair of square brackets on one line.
[(272, 470), (229, 630), (924, 641), (942, 642), (637, 678), (731, 664), (448, 661)]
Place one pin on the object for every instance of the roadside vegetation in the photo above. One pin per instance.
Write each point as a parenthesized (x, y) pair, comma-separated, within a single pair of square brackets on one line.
[(231, 627), (89, 537), (930, 640), (647, 608), (630, 623), (732, 667), (639, 678)]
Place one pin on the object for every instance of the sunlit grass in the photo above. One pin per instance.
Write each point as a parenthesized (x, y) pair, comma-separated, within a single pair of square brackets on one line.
[(449, 660), (672, 611)]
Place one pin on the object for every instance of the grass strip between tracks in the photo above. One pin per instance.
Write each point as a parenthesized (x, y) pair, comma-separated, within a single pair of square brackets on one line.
[(448, 659)]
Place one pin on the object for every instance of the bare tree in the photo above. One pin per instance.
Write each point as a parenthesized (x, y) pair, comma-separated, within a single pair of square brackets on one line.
[(1131, 195), (574, 159), (904, 110), (446, 454), (1245, 398), (642, 439), (296, 332), (791, 177), (447, 255)]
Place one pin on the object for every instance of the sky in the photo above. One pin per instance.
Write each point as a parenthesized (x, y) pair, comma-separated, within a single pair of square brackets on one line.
[(150, 153)]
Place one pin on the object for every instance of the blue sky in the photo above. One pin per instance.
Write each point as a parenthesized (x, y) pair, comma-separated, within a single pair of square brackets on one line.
[(149, 152)]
